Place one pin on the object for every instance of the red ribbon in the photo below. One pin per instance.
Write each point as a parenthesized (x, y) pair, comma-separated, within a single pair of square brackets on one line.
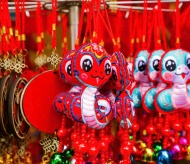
[(177, 25), (39, 28), (54, 20), (64, 33)]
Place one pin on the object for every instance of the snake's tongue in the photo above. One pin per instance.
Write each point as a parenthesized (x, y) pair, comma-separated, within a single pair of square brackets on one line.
[(97, 80), (183, 75)]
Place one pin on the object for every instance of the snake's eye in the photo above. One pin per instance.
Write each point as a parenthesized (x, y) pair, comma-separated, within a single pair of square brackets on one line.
[(86, 63), (188, 63), (141, 66), (170, 65), (156, 64), (68, 68), (107, 67)]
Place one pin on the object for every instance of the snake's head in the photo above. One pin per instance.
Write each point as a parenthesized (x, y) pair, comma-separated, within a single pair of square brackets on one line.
[(119, 79), (153, 65), (175, 66), (140, 66), (92, 65), (65, 68)]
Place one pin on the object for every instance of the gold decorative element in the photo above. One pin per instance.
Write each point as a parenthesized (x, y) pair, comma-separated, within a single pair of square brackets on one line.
[(4, 30), (132, 41), (17, 159), (16, 32), (28, 159), (45, 159), (11, 31), (177, 40), (6, 63), (8, 159), (42, 35), (23, 37), (143, 38), (17, 66), (54, 60), (49, 144), (41, 60), (53, 26), (38, 39), (1, 160)]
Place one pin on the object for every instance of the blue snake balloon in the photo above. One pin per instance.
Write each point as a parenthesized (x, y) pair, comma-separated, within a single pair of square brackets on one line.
[(175, 70)]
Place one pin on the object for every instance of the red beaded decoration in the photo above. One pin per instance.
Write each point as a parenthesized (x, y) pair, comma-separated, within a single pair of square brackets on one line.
[(166, 132), (61, 134)]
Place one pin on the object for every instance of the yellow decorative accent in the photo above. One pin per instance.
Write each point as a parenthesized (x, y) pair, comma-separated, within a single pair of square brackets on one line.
[(1, 160), (6, 38), (54, 27), (11, 31), (113, 40), (54, 59), (77, 41), (4, 30), (19, 37), (159, 41), (118, 40), (28, 159), (94, 34), (102, 43), (16, 32), (64, 39), (40, 60), (137, 40), (42, 35), (143, 39), (45, 159), (177, 40), (23, 37), (8, 159), (38, 39), (71, 54), (132, 41)]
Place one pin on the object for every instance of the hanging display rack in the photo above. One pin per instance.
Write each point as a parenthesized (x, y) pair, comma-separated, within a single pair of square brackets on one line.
[(63, 5)]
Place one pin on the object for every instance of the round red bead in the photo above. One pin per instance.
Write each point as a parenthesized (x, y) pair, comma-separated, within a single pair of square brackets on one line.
[(135, 127), (150, 129), (166, 132), (61, 133)]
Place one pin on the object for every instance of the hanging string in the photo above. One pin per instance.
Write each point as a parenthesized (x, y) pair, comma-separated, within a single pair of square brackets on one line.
[(177, 25), (23, 37), (95, 18), (150, 29), (10, 29), (144, 25), (164, 33), (64, 33), (156, 31), (88, 25), (54, 19), (109, 28), (38, 22), (118, 28), (131, 33), (137, 30), (5, 43), (81, 20), (161, 24), (17, 25), (1, 17)]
